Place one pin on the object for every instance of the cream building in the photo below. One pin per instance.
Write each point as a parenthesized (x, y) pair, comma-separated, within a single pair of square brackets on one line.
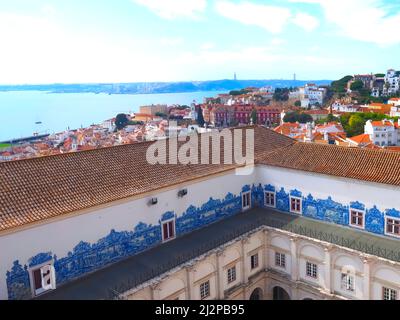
[(273, 264)]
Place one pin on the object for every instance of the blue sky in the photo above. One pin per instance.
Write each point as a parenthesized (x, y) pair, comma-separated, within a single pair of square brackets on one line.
[(44, 41)]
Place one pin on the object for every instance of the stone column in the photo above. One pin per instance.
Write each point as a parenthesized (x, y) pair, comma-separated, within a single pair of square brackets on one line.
[(265, 251), (243, 264), (189, 283), (367, 279), (328, 269), (154, 292), (294, 259), (220, 274)]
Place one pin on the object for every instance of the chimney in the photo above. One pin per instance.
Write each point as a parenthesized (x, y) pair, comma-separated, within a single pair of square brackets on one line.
[(309, 134)]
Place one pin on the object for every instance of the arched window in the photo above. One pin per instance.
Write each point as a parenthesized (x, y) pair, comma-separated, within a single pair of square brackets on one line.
[(257, 294), (280, 294)]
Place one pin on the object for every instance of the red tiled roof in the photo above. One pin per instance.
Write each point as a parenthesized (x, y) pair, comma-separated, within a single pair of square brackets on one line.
[(383, 123), (361, 139), (373, 165), (317, 111), (41, 188)]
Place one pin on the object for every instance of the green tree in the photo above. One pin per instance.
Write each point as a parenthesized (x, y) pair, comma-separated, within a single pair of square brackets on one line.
[(356, 125), (121, 121), (297, 103), (281, 94), (135, 122), (161, 115), (304, 118), (357, 85), (200, 118), (253, 116), (332, 118), (239, 92), (297, 117), (339, 86)]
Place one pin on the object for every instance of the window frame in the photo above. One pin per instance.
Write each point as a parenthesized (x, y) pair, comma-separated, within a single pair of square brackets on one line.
[(290, 204), (273, 193), (344, 282), (254, 261), (280, 260), (359, 212), (163, 233), (205, 288), (38, 292), (391, 291), (313, 269), (386, 226), (231, 274), (244, 194)]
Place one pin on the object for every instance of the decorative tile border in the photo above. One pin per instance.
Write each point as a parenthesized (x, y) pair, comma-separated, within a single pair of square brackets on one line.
[(86, 257), (332, 211)]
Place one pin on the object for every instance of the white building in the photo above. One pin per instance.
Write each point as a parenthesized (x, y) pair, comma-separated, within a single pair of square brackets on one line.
[(394, 101), (286, 227), (268, 264), (109, 124), (339, 107), (395, 110), (383, 133), (311, 94), (392, 82)]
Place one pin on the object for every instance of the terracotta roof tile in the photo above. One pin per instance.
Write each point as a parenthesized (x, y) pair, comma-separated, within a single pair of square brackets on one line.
[(41, 188), (373, 165)]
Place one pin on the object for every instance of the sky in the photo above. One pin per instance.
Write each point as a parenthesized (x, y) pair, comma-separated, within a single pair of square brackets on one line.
[(75, 41)]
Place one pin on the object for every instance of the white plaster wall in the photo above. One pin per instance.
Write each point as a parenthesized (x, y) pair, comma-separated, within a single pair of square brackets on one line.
[(341, 190), (385, 276), (279, 243), (312, 254), (231, 255), (344, 263), (62, 236), (254, 245), (213, 293), (202, 270), (169, 287)]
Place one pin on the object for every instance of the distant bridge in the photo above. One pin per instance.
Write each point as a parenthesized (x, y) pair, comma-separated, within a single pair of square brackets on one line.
[(27, 139)]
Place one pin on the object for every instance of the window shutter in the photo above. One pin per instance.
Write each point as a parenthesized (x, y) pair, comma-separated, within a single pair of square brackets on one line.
[(37, 276), (171, 229), (48, 277), (165, 230)]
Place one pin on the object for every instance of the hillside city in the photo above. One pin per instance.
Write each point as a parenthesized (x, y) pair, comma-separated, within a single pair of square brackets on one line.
[(356, 111)]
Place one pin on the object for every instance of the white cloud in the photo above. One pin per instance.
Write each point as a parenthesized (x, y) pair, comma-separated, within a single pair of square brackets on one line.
[(306, 21), (171, 9), (364, 20), (48, 10), (261, 56), (278, 42), (271, 18), (40, 50), (207, 46), (171, 41)]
